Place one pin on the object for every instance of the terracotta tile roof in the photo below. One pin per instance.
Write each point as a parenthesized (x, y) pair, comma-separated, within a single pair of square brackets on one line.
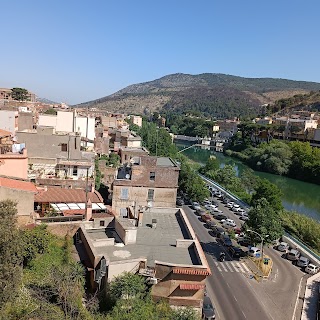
[(202, 272), (17, 184), (82, 211), (56, 194), (4, 133), (191, 286)]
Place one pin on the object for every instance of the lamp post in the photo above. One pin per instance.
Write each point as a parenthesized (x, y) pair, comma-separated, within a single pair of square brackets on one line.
[(262, 239)]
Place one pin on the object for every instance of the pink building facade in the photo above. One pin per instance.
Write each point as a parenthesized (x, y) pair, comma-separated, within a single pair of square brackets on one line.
[(14, 164)]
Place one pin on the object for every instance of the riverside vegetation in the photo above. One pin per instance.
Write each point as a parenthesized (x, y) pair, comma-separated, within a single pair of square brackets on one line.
[(268, 215), (295, 159)]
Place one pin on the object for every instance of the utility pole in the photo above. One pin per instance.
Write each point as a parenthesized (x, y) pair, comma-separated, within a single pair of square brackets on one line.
[(86, 204)]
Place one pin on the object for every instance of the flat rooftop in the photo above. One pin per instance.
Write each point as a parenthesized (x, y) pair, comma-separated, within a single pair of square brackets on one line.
[(165, 162), (153, 243)]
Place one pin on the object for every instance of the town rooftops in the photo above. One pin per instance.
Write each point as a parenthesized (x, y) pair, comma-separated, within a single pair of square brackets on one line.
[(4, 133), (60, 195), (17, 184), (172, 241)]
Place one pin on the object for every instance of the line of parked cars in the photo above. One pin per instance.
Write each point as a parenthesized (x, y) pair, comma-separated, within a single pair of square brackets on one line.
[(295, 256)]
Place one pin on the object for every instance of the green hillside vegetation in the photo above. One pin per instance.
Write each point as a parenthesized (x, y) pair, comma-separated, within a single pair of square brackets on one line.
[(215, 95)]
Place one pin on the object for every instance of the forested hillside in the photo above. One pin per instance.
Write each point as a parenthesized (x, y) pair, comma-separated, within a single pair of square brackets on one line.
[(215, 95)]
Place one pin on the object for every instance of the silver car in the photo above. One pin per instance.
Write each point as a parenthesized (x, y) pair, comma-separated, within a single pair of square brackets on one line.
[(303, 262)]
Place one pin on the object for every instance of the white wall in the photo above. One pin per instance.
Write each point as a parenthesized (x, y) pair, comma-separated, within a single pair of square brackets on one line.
[(7, 120), (47, 120), (64, 121), (81, 125)]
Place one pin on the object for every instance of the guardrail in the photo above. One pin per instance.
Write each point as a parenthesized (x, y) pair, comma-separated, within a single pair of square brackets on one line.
[(222, 189)]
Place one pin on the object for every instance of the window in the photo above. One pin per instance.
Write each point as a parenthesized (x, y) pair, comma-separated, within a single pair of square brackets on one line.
[(102, 223), (64, 147), (152, 176), (75, 171), (124, 194), (150, 194)]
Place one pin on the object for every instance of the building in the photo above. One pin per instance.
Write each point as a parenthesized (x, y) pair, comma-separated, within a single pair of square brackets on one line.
[(56, 158), (126, 154), (68, 202), (22, 192), (66, 121), (161, 246), (6, 94), (145, 182), (137, 120), (113, 121), (9, 120)]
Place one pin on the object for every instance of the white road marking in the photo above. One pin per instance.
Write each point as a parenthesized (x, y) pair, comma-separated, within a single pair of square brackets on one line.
[(245, 267), (224, 267), (297, 299), (238, 267), (229, 266)]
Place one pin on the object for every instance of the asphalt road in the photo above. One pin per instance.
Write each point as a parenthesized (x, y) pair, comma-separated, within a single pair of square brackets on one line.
[(234, 293)]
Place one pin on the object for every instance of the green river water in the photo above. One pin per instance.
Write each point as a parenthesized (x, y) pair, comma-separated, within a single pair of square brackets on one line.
[(298, 196)]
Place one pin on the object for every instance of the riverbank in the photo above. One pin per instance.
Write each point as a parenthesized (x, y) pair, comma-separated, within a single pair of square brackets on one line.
[(299, 196)]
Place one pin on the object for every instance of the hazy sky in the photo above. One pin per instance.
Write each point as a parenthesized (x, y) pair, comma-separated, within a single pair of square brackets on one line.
[(79, 50)]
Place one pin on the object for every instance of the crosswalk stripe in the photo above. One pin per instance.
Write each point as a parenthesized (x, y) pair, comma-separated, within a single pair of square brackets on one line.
[(224, 267), (229, 266), (238, 267), (217, 265), (245, 267)]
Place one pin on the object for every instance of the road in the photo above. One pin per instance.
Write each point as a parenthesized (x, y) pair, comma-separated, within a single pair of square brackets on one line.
[(234, 293)]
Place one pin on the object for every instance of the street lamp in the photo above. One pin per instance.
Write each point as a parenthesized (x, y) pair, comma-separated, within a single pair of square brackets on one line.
[(262, 239)]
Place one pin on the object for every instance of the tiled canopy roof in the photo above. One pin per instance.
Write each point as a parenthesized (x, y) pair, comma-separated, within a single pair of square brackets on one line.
[(4, 133), (17, 184), (202, 272), (56, 194), (191, 286)]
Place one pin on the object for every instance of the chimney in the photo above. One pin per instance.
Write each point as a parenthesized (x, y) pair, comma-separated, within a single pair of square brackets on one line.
[(88, 213), (140, 217)]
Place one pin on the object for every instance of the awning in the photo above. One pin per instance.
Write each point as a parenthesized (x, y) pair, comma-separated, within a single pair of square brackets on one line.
[(191, 286), (76, 206)]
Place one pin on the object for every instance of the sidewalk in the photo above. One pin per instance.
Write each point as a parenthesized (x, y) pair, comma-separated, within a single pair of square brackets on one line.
[(311, 298)]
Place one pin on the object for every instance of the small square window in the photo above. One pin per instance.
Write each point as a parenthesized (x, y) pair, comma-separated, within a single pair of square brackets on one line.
[(150, 194), (102, 223), (152, 176), (64, 147), (124, 194)]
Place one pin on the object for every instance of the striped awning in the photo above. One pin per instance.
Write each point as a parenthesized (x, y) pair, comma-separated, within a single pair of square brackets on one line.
[(191, 286), (200, 272)]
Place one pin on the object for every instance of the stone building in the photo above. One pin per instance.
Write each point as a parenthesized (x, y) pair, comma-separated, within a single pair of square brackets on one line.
[(145, 182)]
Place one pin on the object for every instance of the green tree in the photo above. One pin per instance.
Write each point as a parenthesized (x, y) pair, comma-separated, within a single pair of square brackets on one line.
[(10, 252), (270, 192), (34, 242), (265, 220), (51, 111), (127, 285), (19, 94), (211, 165)]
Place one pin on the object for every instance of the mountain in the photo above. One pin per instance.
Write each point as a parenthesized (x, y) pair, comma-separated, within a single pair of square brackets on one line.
[(44, 100), (212, 94)]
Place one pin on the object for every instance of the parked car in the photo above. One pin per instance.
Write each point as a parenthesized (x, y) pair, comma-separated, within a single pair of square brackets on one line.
[(235, 206), (211, 224), (179, 202), (244, 241), (221, 216), (293, 255), (283, 247), (200, 212), (205, 217), (230, 204), (236, 252), (225, 239), (195, 205), (218, 231), (303, 262), (228, 223), (311, 268), (208, 312), (225, 200), (206, 202), (244, 217), (254, 252)]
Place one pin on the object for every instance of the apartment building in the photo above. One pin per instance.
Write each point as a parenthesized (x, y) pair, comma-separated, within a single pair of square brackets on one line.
[(144, 183), (56, 158)]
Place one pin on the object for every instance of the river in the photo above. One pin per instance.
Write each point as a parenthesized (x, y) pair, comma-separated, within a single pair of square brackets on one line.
[(298, 196)]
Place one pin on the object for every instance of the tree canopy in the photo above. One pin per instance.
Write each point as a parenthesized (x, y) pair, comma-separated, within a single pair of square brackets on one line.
[(19, 94)]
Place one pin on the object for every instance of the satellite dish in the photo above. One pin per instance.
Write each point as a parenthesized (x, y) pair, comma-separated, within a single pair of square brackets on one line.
[(127, 176), (149, 204), (131, 160)]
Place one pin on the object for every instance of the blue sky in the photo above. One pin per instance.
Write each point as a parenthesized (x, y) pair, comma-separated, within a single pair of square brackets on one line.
[(79, 50)]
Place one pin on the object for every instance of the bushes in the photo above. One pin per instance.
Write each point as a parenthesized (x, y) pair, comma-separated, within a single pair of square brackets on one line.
[(304, 228)]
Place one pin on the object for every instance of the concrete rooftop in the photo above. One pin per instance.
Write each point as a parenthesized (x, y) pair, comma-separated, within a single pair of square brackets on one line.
[(153, 243)]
